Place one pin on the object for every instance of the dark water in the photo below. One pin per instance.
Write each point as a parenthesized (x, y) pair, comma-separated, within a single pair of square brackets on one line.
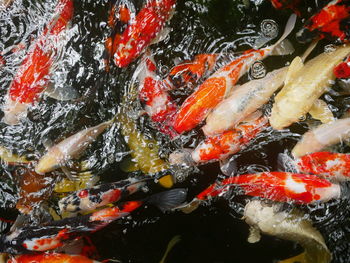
[(212, 233)]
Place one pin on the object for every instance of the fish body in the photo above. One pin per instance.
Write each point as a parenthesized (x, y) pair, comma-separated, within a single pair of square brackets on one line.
[(153, 93), (243, 101), (142, 30), (214, 89), (34, 73), (330, 22), (51, 258), (101, 195), (322, 136), (286, 4), (342, 70), (309, 82), (334, 166), (69, 148), (272, 220), (189, 73), (286, 187), (56, 234)]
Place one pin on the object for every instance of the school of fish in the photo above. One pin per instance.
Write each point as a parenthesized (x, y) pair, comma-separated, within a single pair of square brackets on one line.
[(229, 115)]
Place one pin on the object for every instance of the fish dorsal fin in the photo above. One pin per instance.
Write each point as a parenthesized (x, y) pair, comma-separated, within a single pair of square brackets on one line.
[(296, 65)]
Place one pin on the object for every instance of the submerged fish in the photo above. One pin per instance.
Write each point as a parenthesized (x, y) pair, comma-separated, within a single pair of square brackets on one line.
[(334, 166), (56, 234), (330, 22), (51, 258), (270, 219), (306, 84), (342, 70), (34, 73), (142, 30), (322, 136), (70, 148), (153, 93), (144, 151), (214, 89), (101, 195), (286, 4), (221, 146)]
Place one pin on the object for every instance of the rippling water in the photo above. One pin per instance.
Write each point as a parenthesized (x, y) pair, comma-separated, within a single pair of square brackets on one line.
[(212, 233)]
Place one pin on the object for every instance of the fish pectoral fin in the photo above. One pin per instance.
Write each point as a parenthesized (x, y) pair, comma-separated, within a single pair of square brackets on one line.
[(299, 258), (320, 111), (293, 69), (163, 34), (283, 48), (61, 93), (254, 235)]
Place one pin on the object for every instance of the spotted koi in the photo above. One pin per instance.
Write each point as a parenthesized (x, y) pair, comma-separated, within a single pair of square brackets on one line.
[(142, 30), (51, 258)]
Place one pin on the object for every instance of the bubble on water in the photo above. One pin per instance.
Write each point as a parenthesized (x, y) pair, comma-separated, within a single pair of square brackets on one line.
[(257, 70), (269, 28), (329, 48)]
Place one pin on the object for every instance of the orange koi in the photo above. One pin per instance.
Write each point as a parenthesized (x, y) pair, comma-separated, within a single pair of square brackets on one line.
[(330, 22), (188, 73), (142, 30), (33, 74), (334, 166), (50, 258), (153, 93), (221, 146), (213, 90)]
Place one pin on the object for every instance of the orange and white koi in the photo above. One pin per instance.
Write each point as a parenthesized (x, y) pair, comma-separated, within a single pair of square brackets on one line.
[(51, 258), (56, 234), (214, 89), (153, 93), (33, 74), (334, 166), (330, 22), (322, 136), (142, 30), (188, 73), (221, 146)]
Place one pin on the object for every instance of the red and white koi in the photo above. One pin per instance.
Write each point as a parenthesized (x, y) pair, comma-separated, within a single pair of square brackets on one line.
[(56, 234), (51, 258), (153, 93), (322, 136), (342, 70), (34, 73), (221, 146), (101, 195), (214, 89), (142, 30), (333, 166), (330, 22)]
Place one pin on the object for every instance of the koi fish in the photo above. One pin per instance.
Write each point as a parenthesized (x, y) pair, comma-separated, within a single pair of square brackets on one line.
[(188, 73), (33, 74), (101, 195), (270, 219), (221, 146), (331, 22), (152, 92), (142, 30), (305, 84), (56, 234), (334, 166), (51, 258), (247, 98), (144, 151), (286, 4), (70, 148), (323, 136), (342, 70), (214, 89)]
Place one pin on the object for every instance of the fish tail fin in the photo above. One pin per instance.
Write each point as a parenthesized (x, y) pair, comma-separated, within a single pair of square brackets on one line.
[(168, 200), (283, 46), (286, 163)]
